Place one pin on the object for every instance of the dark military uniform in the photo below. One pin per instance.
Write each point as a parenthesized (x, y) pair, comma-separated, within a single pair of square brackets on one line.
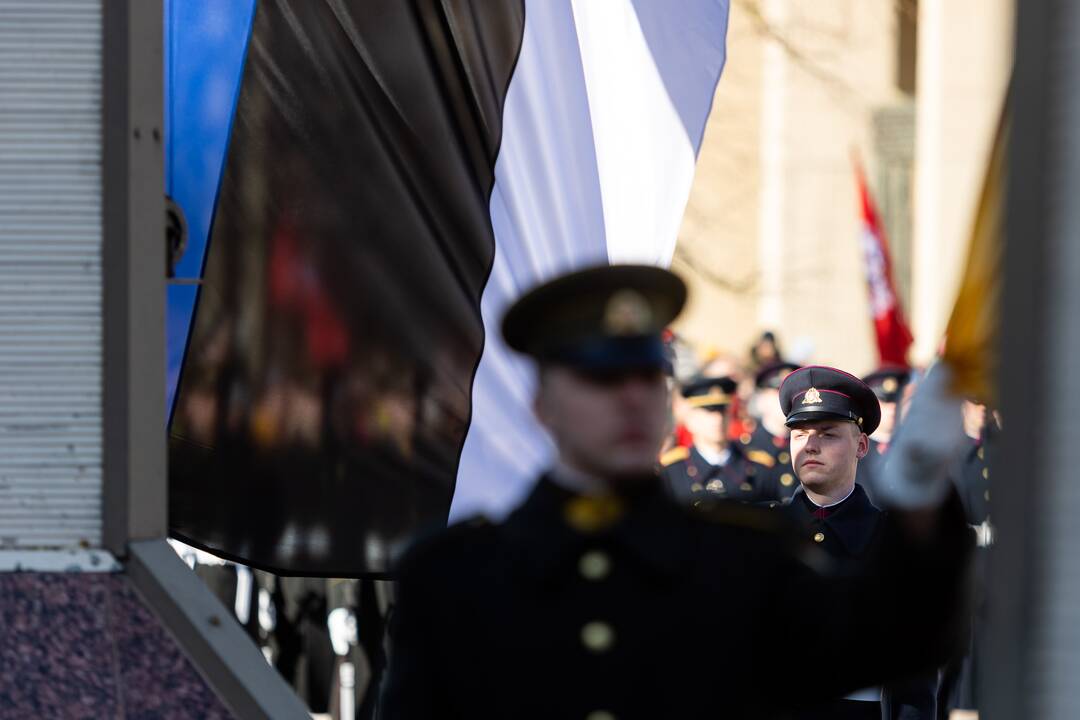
[(971, 476), (849, 532), (746, 477), (627, 605), (972, 479), (846, 531), (667, 613)]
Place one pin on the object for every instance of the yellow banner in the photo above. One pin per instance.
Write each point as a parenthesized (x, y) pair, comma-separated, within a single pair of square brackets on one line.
[(972, 333)]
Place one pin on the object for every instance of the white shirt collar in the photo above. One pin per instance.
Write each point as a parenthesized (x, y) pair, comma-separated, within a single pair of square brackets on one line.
[(716, 459), (835, 503)]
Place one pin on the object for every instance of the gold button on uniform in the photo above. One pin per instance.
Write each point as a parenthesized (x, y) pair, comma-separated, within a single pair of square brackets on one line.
[(986, 472), (787, 479), (784, 458), (592, 514), (986, 496), (600, 715), (597, 636), (695, 487), (745, 438), (594, 565), (746, 487), (819, 537), (981, 453)]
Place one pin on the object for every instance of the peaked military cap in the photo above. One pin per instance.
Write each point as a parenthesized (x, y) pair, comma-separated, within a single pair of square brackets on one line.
[(602, 318), (888, 383), (709, 392), (817, 392), (773, 374)]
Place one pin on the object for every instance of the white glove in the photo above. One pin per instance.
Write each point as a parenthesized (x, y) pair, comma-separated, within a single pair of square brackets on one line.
[(930, 438)]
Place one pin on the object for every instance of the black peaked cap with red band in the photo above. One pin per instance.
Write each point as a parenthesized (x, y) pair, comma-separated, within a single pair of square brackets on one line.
[(817, 392)]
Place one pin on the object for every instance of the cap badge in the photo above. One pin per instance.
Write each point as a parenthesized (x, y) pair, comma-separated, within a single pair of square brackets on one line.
[(627, 313), (889, 385), (812, 397)]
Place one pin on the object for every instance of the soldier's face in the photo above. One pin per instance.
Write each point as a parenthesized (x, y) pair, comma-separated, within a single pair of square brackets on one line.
[(708, 425), (888, 419), (825, 453), (767, 403), (609, 425)]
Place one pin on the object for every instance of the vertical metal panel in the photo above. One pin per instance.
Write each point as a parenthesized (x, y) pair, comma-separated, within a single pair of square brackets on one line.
[(50, 273), (134, 497), (1055, 651)]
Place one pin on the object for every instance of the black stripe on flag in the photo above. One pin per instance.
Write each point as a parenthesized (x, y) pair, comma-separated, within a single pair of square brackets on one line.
[(325, 394)]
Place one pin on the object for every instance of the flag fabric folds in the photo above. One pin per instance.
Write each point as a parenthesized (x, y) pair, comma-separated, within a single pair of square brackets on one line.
[(398, 172), (890, 327)]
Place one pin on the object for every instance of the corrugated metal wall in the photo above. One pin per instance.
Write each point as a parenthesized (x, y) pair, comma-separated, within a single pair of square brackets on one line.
[(50, 272)]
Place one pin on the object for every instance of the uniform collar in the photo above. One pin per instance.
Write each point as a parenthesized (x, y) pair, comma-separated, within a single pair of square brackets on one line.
[(735, 454), (831, 505), (718, 460), (853, 521)]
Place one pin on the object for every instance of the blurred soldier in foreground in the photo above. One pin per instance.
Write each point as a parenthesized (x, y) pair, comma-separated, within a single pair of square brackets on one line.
[(770, 433), (600, 598), (831, 414), (712, 466), (888, 385)]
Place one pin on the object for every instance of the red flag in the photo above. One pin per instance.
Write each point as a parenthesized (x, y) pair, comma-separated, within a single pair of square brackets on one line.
[(893, 335)]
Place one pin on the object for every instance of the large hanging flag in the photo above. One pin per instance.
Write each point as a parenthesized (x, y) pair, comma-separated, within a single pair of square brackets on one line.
[(890, 328), (397, 173)]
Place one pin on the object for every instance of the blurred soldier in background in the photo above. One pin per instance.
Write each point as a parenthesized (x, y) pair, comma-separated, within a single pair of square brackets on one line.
[(600, 598), (712, 466), (770, 433), (888, 385), (765, 351), (971, 474)]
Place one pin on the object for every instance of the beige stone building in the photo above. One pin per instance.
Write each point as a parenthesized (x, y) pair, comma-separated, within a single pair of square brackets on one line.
[(770, 239)]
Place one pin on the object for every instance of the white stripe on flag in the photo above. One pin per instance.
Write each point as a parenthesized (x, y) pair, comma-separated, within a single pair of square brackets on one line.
[(650, 69)]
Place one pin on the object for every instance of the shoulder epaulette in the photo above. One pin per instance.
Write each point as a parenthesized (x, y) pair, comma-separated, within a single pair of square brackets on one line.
[(674, 455), (761, 458)]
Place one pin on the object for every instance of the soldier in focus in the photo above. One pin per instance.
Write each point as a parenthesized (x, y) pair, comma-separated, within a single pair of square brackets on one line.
[(831, 414), (601, 598)]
